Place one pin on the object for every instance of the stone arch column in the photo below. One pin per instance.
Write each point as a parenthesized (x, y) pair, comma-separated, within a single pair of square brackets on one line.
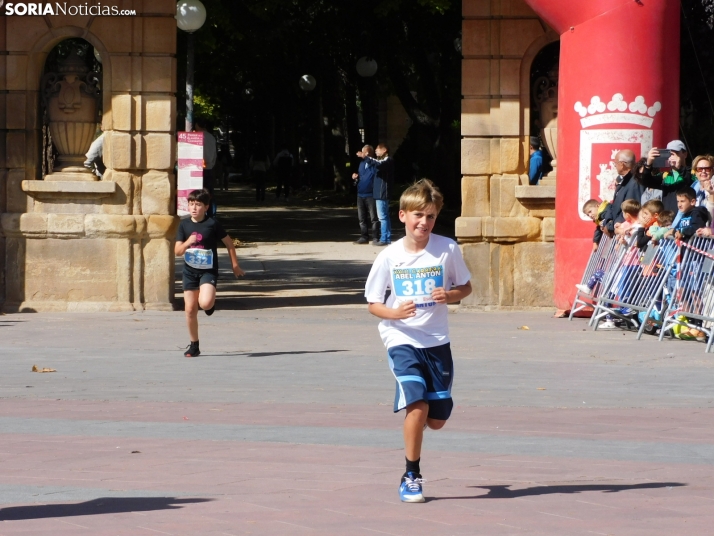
[(506, 228), (104, 245)]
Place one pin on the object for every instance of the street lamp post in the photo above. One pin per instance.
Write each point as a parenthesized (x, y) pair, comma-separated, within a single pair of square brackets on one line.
[(367, 67), (190, 16)]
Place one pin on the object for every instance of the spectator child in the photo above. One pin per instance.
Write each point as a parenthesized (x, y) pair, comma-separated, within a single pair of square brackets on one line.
[(649, 215), (693, 217), (595, 210), (630, 211), (661, 227)]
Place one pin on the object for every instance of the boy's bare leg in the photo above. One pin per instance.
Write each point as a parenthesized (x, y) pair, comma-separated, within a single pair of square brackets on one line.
[(206, 298), (414, 428), (190, 298), (435, 424)]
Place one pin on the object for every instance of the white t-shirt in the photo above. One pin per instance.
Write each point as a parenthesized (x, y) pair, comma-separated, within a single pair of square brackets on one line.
[(414, 277)]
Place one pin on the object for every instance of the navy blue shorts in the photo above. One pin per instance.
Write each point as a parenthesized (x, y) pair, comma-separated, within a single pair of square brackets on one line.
[(193, 279), (423, 374)]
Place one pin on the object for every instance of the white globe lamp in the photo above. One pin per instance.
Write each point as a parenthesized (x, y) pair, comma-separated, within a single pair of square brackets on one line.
[(366, 67), (307, 82), (190, 15)]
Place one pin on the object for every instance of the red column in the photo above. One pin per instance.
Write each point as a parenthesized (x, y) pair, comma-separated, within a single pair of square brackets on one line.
[(618, 89)]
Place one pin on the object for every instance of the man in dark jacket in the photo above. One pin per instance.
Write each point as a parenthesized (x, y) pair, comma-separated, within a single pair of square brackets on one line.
[(366, 207), (627, 188), (669, 182), (383, 181)]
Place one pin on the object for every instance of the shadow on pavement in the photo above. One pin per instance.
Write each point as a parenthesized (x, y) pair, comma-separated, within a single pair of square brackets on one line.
[(288, 282), (104, 505), (502, 492), (271, 354)]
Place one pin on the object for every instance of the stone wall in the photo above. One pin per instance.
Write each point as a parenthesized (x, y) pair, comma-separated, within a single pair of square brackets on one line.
[(506, 228), (99, 245)]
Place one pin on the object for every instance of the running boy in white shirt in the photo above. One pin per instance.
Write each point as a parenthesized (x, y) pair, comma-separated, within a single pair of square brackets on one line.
[(424, 272)]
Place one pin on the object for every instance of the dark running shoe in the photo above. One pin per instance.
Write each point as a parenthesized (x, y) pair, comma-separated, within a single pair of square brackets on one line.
[(210, 311), (410, 489), (192, 350), (361, 241), (379, 243)]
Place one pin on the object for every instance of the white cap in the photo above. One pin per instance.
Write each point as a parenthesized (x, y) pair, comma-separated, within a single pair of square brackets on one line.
[(676, 145)]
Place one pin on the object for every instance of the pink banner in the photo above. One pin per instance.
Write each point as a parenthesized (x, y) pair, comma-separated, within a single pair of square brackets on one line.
[(190, 168)]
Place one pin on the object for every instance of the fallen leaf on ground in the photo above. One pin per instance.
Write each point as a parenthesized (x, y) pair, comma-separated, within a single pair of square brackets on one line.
[(35, 369), (524, 327), (136, 452)]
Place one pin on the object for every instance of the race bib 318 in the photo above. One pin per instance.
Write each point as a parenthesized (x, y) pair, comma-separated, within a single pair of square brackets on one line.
[(417, 284)]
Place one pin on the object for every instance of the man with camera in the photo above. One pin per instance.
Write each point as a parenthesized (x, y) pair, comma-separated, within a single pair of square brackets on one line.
[(669, 182)]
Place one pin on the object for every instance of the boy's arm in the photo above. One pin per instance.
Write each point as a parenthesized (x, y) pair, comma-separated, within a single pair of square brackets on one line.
[(597, 236), (228, 242), (456, 294), (641, 237), (181, 247)]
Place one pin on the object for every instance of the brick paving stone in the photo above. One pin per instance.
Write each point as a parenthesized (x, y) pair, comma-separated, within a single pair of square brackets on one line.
[(289, 429)]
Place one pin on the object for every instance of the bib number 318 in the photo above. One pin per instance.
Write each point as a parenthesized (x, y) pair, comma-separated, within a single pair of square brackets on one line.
[(419, 287), (417, 284)]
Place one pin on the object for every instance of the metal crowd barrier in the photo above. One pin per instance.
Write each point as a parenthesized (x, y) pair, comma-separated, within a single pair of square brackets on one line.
[(635, 285), (600, 263), (693, 295)]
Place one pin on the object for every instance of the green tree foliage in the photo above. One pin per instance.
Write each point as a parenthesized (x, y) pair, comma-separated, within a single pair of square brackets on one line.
[(251, 54)]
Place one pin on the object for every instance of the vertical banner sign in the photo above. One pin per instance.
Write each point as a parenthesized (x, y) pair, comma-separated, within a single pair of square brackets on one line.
[(190, 168)]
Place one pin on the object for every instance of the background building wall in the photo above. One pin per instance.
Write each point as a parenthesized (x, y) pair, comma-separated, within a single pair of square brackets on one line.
[(76, 249), (507, 228)]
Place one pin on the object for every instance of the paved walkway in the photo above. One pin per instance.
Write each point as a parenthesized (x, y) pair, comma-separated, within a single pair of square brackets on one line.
[(284, 424)]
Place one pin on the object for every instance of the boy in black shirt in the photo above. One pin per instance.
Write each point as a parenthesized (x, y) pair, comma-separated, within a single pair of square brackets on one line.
[(693, 217), (197, 242)]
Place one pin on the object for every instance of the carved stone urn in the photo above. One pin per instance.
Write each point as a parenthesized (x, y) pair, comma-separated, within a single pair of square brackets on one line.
[(545, 93), (70, 97)]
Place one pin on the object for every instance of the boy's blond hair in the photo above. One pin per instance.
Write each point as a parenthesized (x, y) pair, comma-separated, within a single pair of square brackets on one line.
[(591, 203), (631, 207), (419, 195)]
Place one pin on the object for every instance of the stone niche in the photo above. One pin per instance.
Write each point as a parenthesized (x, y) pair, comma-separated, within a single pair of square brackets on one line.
[(506, 229), (71, 240)]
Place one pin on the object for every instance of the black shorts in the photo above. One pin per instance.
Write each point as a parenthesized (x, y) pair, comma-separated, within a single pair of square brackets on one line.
[(423, 374), (193, 279)]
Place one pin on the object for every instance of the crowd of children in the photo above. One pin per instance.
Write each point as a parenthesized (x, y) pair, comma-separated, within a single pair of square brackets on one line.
[(644, 226)]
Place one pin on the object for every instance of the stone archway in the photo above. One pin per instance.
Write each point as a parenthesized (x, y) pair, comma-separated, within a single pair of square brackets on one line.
[(101, 245)]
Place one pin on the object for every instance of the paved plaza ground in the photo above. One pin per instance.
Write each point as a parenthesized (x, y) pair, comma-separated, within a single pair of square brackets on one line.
[(284, 424)]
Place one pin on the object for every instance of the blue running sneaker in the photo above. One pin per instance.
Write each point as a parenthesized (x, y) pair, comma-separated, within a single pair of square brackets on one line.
[(410, 489)]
